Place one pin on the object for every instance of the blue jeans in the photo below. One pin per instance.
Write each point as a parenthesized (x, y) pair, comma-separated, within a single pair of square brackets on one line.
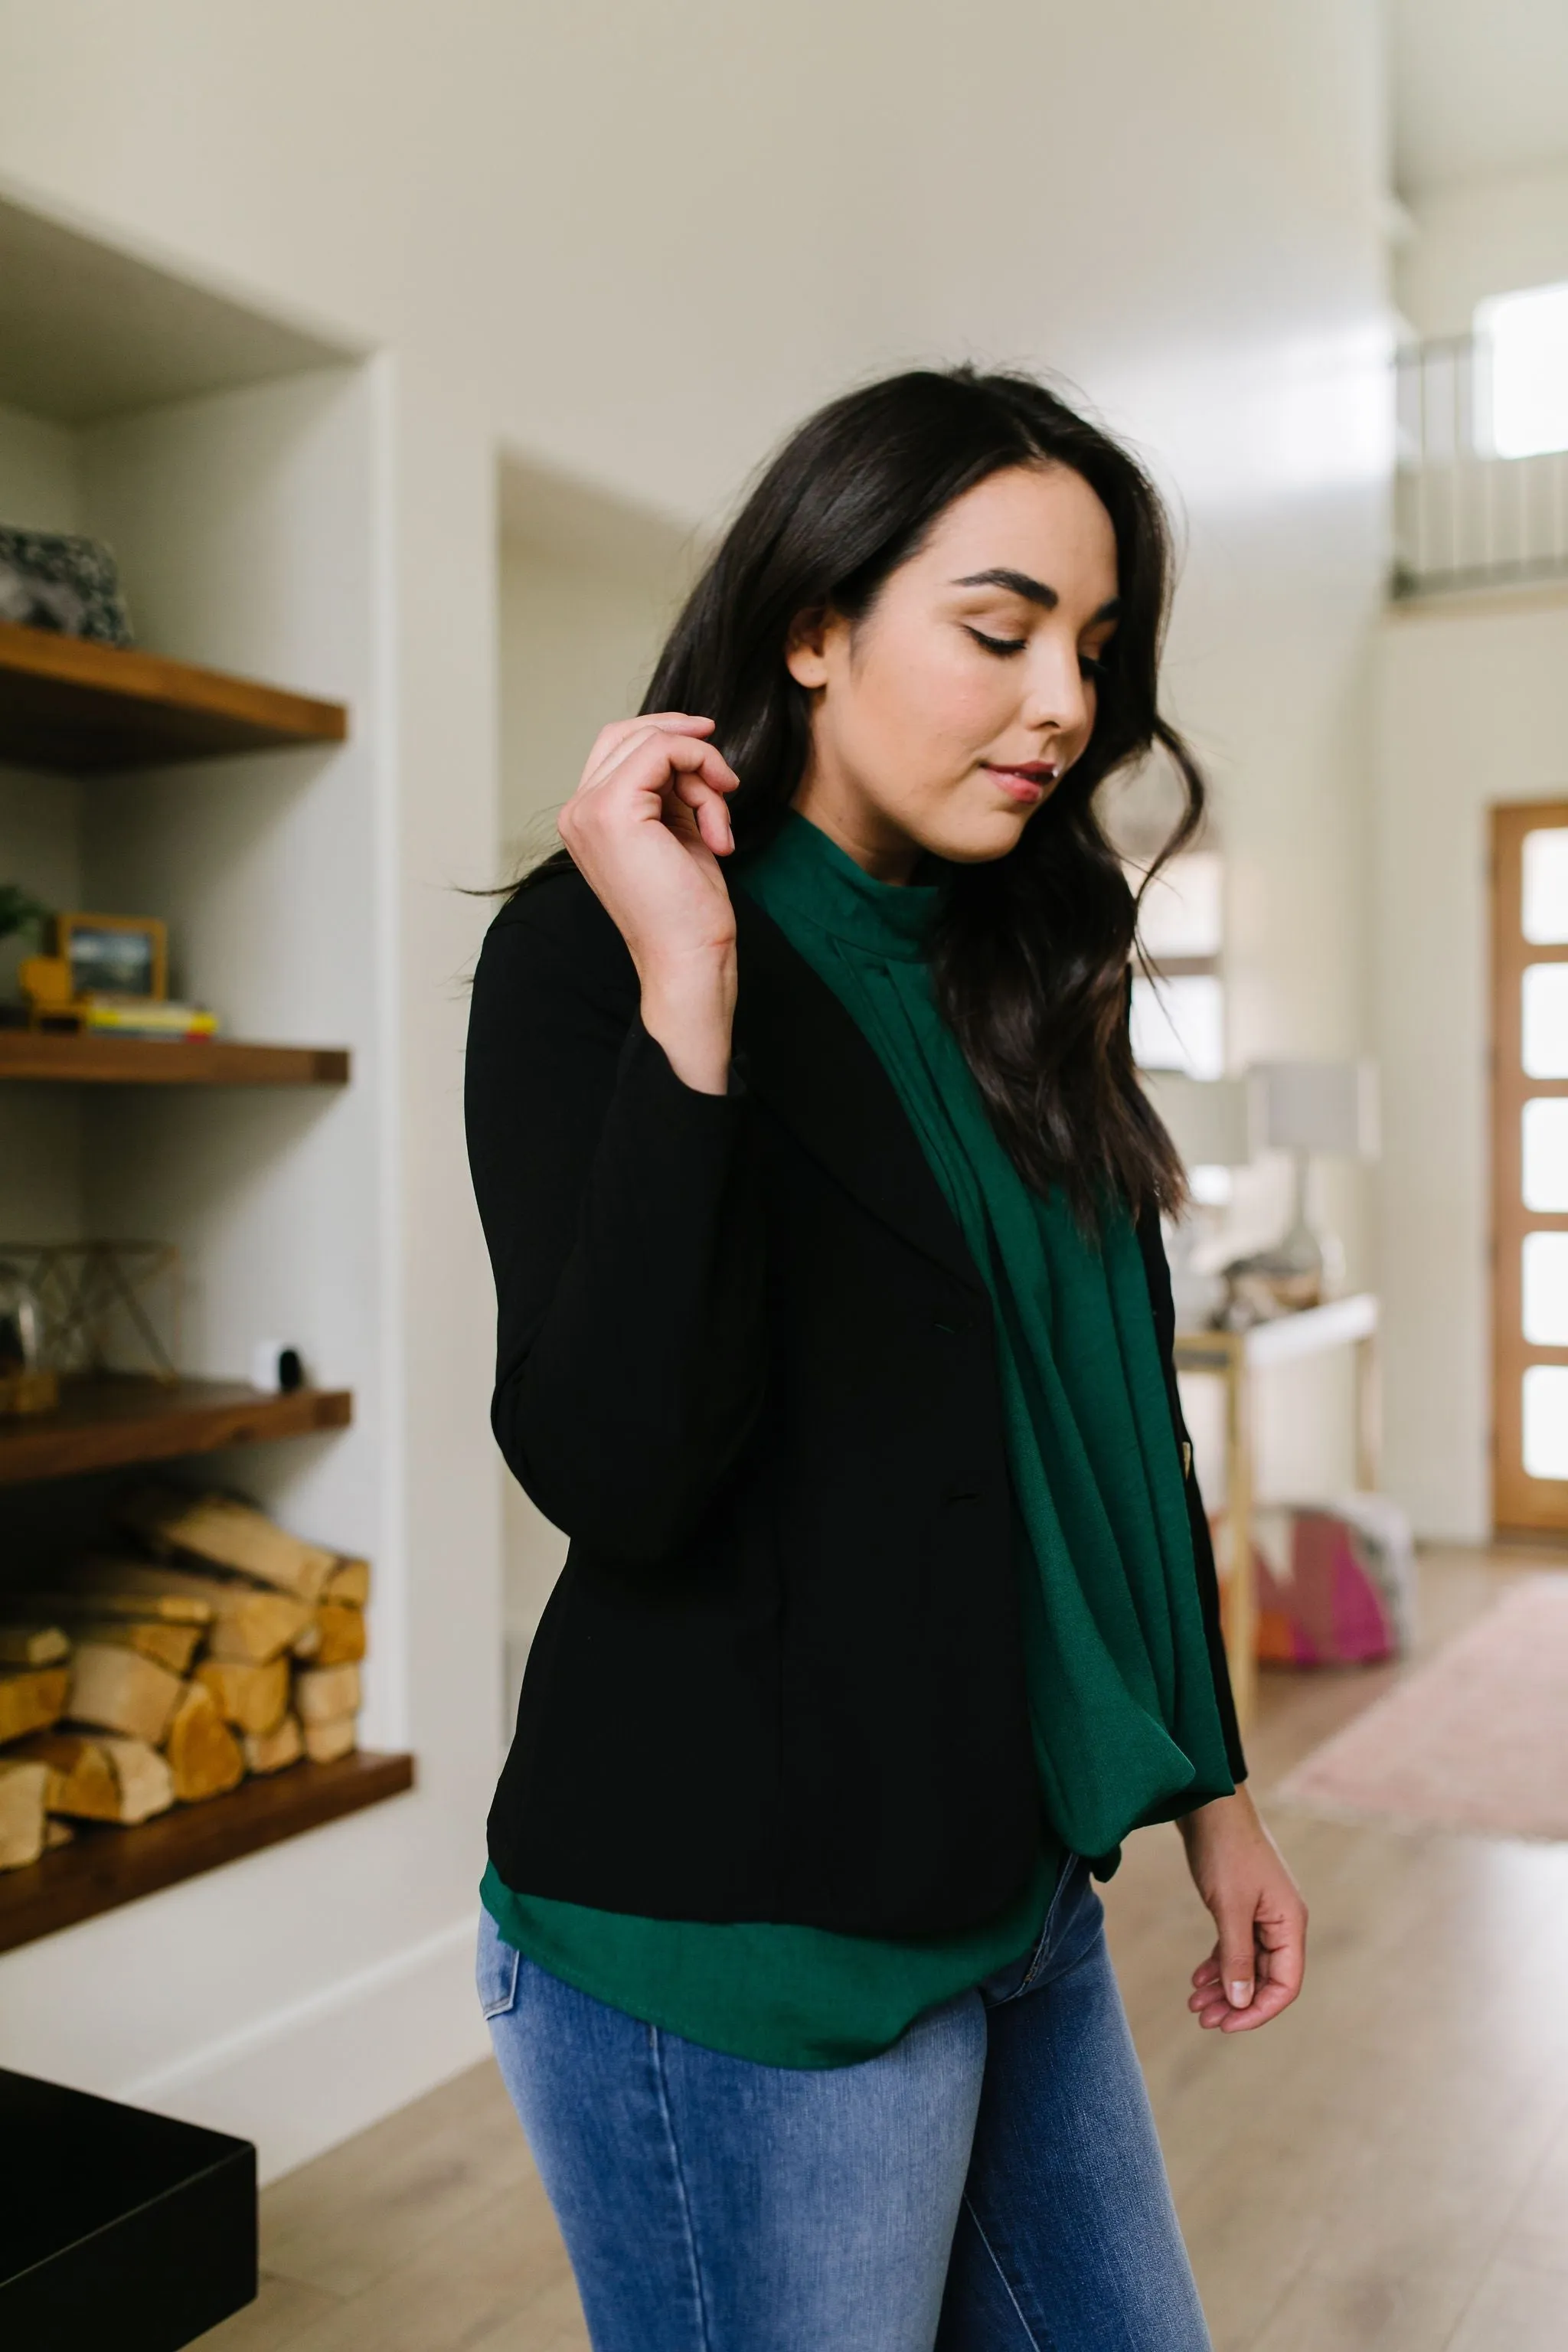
[(989, 2184)]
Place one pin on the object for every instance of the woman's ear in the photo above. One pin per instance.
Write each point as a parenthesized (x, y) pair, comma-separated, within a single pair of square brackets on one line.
[(805, 647)]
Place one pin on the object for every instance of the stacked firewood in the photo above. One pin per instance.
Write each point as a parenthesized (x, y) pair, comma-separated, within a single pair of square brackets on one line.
[(215, 1645)]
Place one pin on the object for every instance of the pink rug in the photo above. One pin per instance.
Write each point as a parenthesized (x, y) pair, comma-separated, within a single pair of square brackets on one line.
[(1477, 1740)]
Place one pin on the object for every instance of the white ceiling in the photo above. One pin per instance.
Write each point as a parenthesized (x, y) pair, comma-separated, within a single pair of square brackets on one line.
[(1478, 88)]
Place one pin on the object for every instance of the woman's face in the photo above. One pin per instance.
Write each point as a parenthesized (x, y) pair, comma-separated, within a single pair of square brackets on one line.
[(947, 715)]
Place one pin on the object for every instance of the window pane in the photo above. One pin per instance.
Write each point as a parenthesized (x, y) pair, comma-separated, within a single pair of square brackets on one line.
[(1546, 1421), (1182, 913), (1546, 885), (1528, 333), (1545, 1274), (1546, 1155), (1180, 1026), (1545, 1050)]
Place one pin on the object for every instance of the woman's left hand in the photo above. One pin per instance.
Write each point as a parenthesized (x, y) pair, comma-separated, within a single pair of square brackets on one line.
[(1255, 1969)]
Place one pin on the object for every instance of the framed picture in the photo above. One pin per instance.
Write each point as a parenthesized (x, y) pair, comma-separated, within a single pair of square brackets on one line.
[(114, 955)]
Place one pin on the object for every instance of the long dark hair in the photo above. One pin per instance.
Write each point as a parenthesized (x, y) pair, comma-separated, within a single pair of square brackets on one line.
[(1031, 958)]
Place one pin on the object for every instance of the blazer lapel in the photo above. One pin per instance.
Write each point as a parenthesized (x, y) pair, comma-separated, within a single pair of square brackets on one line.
[(799, 1049)]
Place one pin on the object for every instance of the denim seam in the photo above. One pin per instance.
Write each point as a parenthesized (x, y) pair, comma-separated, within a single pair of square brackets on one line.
[(1041, 1950), (656, 2053), (1006, 2285)]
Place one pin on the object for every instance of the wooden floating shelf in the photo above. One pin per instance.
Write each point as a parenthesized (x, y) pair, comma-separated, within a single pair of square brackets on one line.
[(99, 1058), (111, 1424), (105, 1867), (68, 704)]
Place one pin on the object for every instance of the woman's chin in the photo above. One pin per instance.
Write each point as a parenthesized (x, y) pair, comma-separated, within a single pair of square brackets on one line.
[(981, 836)]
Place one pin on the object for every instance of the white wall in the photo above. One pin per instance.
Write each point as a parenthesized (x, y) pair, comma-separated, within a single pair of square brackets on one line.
[(1481, 237), (1473, 709), (577, 643), (1178, 207)]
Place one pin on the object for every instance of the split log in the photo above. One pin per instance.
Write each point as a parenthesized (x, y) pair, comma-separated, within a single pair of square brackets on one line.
[(336, 1636), (32, 1698), (325, 1742), (33, 1643), (71, 1601), (203, 1756), (246, 1623), (96, 1777), (23, 1820), (321, 1693), (174, 1646), (252, 1698), (349, 1583), (270, 1751), (228, 1534), (116, 1689)]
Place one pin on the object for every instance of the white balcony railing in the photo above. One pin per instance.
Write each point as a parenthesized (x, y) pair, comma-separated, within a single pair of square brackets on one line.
[(1462, 517)]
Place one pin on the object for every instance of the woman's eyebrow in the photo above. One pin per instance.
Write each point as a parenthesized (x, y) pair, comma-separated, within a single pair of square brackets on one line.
[(1035, 592)]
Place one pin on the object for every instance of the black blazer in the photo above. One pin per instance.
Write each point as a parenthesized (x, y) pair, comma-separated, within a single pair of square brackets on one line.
[(748, 1364)]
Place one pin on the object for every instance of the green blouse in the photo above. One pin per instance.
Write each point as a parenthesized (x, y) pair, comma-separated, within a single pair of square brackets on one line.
[(1126, 1727)]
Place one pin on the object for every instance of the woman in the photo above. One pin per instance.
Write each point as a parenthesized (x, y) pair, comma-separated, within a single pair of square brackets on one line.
[(835, 1329)]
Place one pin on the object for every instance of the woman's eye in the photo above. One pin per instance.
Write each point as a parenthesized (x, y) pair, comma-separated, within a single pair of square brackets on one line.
[(1091, 666), (997, 645)]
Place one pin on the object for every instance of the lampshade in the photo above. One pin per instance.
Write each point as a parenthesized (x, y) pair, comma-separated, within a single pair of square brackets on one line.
[(1207, 1118), (1315, 1107)]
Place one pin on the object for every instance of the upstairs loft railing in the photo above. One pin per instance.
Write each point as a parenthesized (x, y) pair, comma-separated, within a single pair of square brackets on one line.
[(1464, 517)]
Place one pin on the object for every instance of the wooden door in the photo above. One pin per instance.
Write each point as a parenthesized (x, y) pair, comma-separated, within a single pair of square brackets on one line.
[(1529, 1167)]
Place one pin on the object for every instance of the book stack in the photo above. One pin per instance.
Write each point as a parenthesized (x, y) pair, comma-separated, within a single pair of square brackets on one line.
[(144, 1016)]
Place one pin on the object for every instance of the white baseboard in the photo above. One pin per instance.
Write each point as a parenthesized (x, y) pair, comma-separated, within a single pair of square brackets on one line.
[(298, 2080)]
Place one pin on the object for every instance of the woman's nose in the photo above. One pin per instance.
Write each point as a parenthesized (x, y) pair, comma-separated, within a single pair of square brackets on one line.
[(1056, 696)]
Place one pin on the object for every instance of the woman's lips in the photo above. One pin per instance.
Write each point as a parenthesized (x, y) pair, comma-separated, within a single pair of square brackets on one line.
[(1025, 784)]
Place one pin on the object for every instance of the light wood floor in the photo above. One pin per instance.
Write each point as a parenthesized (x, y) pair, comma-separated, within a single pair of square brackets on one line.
[(1384, 2169)]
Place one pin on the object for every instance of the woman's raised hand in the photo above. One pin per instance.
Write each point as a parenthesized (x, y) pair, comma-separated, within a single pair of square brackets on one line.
[(646, 826)]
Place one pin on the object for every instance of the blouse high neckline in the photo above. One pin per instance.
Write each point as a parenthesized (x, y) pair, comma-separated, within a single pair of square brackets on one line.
[(824, 886)]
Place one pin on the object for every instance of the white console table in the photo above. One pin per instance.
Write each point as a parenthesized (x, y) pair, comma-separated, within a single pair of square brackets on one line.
[(1234, 1357)]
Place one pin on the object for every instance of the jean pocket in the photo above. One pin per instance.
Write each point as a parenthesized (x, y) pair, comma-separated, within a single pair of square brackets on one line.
[(495, 1969)]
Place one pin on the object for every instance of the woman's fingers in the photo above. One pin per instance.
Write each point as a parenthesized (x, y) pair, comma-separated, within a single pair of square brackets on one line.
[(653, 763), (677, 723), (1274, 1969), (710, 808), (614, 745), (1237, 1955)]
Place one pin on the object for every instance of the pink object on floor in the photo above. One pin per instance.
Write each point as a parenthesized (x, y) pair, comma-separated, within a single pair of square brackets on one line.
[(1341, 1602)]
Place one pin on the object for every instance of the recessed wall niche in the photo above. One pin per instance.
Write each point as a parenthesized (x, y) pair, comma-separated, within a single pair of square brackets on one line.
[(234, 462)]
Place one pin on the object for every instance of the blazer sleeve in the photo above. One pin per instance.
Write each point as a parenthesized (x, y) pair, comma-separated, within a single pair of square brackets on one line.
[(623, 1223), (1156, 1267)]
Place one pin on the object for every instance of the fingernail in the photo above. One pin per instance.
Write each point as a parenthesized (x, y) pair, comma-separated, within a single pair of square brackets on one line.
[(1240, 1994)]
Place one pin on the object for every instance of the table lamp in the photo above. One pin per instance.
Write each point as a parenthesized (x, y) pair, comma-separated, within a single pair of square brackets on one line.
[(1210, 1120), (1304, 1108)]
